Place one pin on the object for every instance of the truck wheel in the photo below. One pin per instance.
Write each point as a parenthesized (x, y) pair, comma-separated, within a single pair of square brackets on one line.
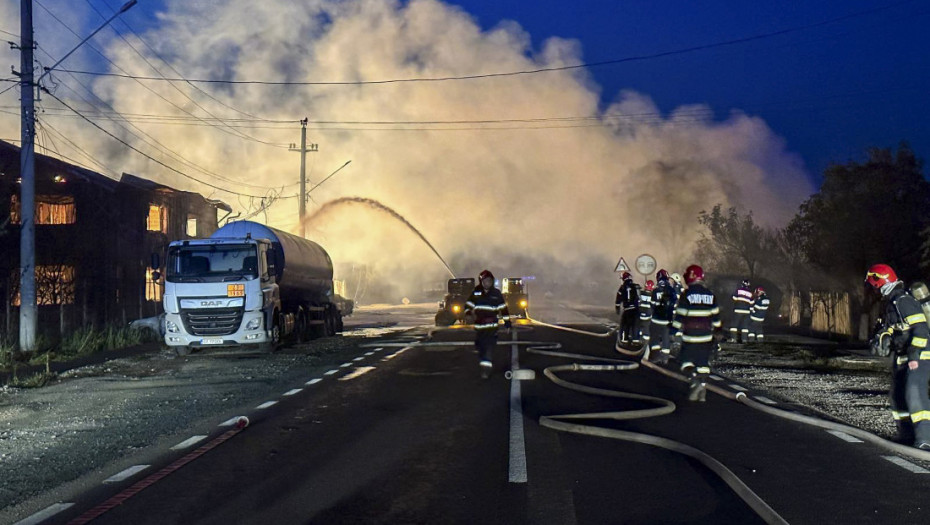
[(183, 350), (339, 325), (276, 332), (302, 330), (330, 323)]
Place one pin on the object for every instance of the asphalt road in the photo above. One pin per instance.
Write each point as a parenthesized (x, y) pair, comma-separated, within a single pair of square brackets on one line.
[(410, 433)]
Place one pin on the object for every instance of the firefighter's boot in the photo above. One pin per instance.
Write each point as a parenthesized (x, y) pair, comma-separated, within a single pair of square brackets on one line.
[(696, 390)]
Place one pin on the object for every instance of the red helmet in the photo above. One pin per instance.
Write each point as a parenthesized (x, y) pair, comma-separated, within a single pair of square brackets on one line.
[(484, 274), (650, 285), (693, 274), (661, 275), (879, 275), (626, 276), (759, 291)]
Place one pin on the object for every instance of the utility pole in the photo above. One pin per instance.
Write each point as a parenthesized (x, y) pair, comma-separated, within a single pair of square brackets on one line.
[(28, 311), (302, 196)]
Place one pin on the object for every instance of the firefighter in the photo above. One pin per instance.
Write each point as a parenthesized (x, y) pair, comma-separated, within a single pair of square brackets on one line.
[(904, 324), (664, 298), (678, 284), (486, 304), (697, 319), (627, 305), (742, 304), (645, 315), (760, 306)]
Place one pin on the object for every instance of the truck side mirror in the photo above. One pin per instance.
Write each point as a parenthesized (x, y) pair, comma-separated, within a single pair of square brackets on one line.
[(155, 263)]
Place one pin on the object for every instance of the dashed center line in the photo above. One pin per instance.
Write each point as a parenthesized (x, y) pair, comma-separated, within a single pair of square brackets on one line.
[(738, 387), (314, 381), (266, 404), (294, 391), (716, 377), (331, 372), (346, 365), (187, 443), (357, 359), (395, 354), (131, 471), (369, 354), (844, 436), (901, 462), (45, 514), (229, 422)]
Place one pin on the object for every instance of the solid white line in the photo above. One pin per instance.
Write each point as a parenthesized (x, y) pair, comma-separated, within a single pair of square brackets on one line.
[(346, 365), (45, 514), (517, 441), (766, 400), (357, 359), (737, 387), (901, 462), (229, 422), (266, 404), (358, 371), (845, 437), (369, 354), (294, 391), (314, 381), (331, 372), (131, 471), (189, 442), (716, 377)]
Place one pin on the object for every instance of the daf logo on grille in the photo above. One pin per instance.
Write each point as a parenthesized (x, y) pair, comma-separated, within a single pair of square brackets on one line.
[(211, 303)]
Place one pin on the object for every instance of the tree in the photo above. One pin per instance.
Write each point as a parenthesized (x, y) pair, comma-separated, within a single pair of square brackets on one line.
[(731, 243)]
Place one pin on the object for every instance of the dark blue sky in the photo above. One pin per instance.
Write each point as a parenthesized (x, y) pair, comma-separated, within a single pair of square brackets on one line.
[(831, 91)]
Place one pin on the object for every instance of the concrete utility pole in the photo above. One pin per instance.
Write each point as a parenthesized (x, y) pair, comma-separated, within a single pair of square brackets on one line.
[(28, 311), (302, 196)]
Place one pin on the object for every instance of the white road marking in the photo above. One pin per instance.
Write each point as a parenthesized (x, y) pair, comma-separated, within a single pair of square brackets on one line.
[(845, 437), (266, 404), (229, 422), (901, 462), (294, 391), (737, 387), (45, 514), (189, 442), (395, 354), (379, 349), (346, 365), (716, 377), (369, 354), (517, 441), (357, 359), (314, 381), (358, 371), (131, 471), (766, 400), (331, 372)]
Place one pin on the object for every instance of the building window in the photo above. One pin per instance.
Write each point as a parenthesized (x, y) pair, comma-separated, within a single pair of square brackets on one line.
[(157, 220), (152, 287), (54, 285), (191, 226), (49, 209)]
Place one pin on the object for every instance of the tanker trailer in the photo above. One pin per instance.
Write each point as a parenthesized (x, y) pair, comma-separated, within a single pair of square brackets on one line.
[(248, 284)]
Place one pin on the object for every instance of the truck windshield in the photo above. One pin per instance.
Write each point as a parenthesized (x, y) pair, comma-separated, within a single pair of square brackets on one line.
[(211, 263)]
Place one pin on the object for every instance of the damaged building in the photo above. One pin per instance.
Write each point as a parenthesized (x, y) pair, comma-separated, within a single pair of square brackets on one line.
[(93, 242)]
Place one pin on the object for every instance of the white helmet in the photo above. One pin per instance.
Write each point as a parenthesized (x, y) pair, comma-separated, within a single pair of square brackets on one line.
[(676, 277)]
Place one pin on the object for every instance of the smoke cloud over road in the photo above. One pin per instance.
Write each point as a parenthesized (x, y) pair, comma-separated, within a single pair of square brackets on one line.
[(526, 174)]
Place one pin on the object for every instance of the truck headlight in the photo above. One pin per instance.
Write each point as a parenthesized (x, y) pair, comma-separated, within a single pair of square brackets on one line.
[(254, 324), (172, 327), (456, 308), (523, 303)]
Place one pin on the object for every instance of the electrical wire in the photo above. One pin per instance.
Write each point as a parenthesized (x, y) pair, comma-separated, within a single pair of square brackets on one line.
[(634, 58)]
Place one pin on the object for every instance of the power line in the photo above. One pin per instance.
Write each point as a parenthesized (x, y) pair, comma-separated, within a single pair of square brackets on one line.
[(14, 35), (634, 58), (146, 155)]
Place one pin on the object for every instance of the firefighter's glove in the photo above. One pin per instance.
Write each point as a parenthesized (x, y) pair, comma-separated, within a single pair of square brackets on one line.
[(880, 344)]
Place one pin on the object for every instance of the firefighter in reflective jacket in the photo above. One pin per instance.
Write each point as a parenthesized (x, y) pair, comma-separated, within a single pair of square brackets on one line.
[(664, 298), (627, 305), (486, 305), (697, 318), (760, 306), (904, 322), (742, 305), (645, 315)]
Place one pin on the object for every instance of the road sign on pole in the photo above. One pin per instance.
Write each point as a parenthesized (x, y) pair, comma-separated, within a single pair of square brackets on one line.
[(622, 266), (645, 264)]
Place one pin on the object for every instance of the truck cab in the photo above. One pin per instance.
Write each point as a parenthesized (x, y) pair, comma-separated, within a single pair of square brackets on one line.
[(452, 306), (515, 295)]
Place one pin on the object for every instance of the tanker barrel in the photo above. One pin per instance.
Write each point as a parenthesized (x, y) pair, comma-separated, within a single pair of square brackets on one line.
[(303, 269)]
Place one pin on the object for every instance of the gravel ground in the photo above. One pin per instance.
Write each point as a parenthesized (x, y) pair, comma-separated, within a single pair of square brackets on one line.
[(848, 388)]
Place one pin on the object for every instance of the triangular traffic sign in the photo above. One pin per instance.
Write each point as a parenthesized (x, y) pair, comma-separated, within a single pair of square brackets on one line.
[(622, 266)]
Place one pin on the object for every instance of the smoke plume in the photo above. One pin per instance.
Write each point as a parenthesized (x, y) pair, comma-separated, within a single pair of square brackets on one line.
[(560, 198)]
